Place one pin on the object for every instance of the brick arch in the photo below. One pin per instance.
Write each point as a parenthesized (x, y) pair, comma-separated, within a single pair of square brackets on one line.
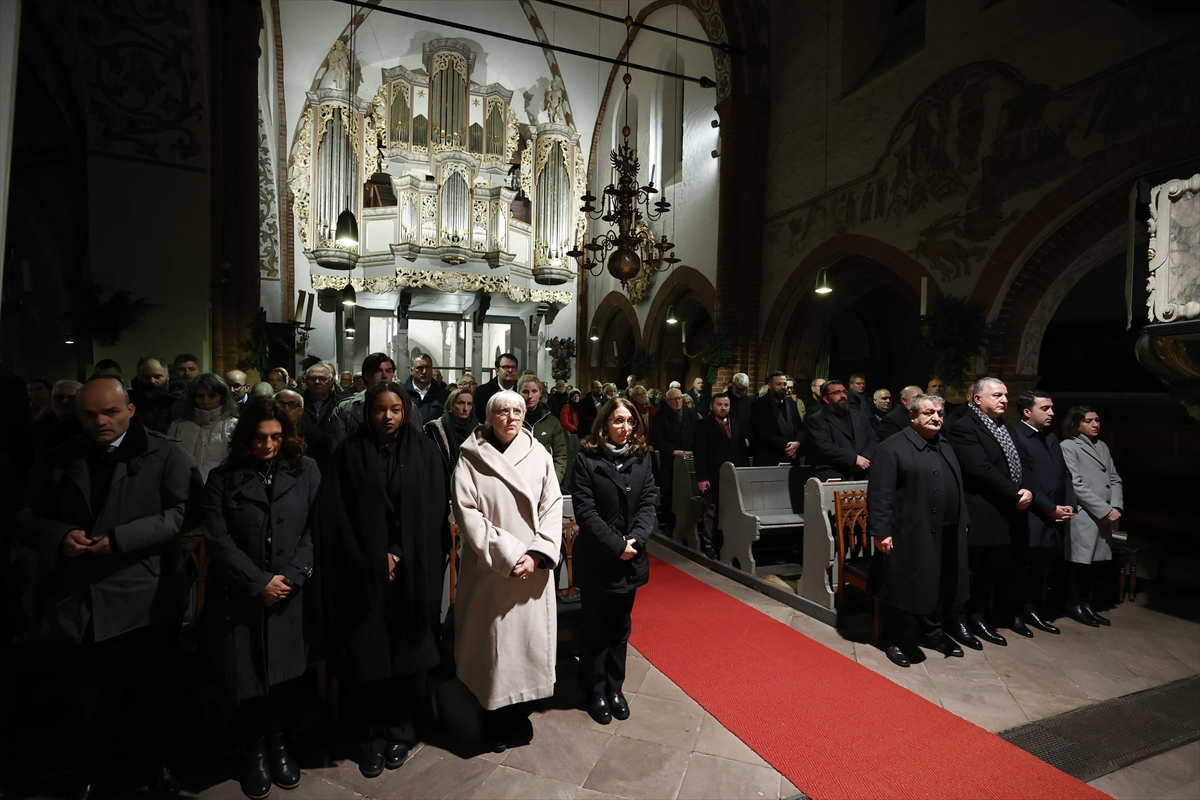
[(683, 282), (1061, 227), (857, 260), (615, 305)]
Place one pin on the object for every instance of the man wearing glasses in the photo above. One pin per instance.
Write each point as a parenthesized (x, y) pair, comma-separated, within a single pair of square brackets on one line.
[(319, 397), (237, 385), (506, 378)]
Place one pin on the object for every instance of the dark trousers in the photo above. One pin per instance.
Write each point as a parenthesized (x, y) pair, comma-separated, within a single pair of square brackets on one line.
[(1080, 588), (383, 711), (605, 619), (991, 568), (126, 702), (901, 628), (272, 713), (1035, 563)]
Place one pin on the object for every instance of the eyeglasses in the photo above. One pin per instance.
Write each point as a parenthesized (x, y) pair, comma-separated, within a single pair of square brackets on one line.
[(319, 378), (510, 412), (508, 367)]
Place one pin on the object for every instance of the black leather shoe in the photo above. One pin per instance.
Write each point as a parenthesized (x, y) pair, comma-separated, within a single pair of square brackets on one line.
[(256, 780), (943, 644), (896, 656), (395, 754), (987, 633), (1081, 616), (519, 732), (1033, 619), (371, 765), (1088, 608), (598, 710), (617, 706), (959, 633), (162, 783), (1019, 627), (711, 554), (284, 771)]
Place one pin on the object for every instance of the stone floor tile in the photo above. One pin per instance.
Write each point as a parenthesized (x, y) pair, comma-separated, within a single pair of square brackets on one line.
[(1181, 764), (1132, 783), (588, 794), (1105, 682), (971, 668), (1122, 640), (1030, 669), (990, 707), (656, 684), (1185, 649), (559, 751), (1040, 705), (631, 768), (1189, 791), (636, 670), (345, 773), (712, 778), (666, 722), (717, 740), (580, 718), (505, 783), (434, 773), (787, 789), (1154, 671)]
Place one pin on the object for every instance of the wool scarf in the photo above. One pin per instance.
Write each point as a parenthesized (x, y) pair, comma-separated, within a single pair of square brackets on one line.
[(1001, 435)]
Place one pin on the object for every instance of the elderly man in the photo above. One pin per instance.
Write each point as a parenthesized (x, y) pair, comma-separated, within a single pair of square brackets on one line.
[(278, 378), (776, 430), (717, 439), (348, 416), (897, 419), (917, 515), (106, 509), (316, 439), (840, 442), (672, 433), (319, 397), (238, 387), (506, 378), (700, 398), (994, 483), (812, 404), (427, 397), (857, 394), (1039, 545), (468, 383), (153, 398), (52, 429), (937, 387), (589, 407), (740, 402), (346, 383)]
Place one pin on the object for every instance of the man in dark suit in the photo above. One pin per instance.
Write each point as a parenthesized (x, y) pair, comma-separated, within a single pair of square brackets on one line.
[(717, 439), (673, 433), (996, 496), (700, 398), (897, 419), (317, 444), (1039, 545), (319, 396), (776, 432), (740, 403), (840, 441), (427, 397), (107, 509), (589, 406), (856, 394), (937, 387), (506, 378)]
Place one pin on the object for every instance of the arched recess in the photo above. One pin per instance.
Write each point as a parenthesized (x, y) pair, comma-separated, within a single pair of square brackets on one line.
[(694, 300), (615, 322), (857, 264)]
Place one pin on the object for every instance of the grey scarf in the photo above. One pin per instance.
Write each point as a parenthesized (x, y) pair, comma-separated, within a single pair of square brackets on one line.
[(1001, 435)]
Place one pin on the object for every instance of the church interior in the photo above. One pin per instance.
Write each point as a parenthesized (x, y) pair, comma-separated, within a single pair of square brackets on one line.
[(718, 193)]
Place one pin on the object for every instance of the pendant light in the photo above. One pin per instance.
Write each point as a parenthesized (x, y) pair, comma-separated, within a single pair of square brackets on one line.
[(349, 300), (349, 326), (671, 318), (347, 225), (595, 334), (823, 286)]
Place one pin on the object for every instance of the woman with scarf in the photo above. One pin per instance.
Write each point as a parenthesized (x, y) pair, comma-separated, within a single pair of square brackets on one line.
[(206, 425), (614, 505), (455, 424), (383, 535), (509, 510)]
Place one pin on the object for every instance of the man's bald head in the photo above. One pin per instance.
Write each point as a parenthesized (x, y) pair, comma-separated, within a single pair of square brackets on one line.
[(237, 383), (103, 409), (908, 393)]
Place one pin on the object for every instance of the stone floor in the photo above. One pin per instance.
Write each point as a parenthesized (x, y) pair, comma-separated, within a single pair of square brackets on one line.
[(671, 748)]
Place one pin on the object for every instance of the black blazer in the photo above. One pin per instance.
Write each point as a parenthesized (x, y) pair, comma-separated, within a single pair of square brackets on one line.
[(834, 443), (670, 434), (1045, 474), (991, 491), (610, 506), (702, 401), (894, 421), (771, 433), (714, 448)]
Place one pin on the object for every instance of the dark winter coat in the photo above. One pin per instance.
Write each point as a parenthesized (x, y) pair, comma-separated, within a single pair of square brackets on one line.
[(1046, 475), (904, 501), (895, 421), (612, 505), (431, 407), (771, 431), (991, 491), (252, 536), (835, 442), (714, 448)]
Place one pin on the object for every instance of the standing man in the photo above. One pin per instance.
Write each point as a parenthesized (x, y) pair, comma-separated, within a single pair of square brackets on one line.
[(349, 415), (238, 386), (840, 442), (897, 419), (506, 378), (630, 382), (813, 404), (316, 439), (589, 407), (857, 395), (673, 434), (1053, 505), (427, 397), (740, 402), (937, 387), (700, 398), (154, 402), (186, 366), (468, 383), (320, 399), (53, 429), (776, 432), (717, 439), (881, 404), (996, 496), (107, 508)]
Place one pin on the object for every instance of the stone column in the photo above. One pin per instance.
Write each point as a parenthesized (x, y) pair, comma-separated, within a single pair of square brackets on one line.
[(10, 35)]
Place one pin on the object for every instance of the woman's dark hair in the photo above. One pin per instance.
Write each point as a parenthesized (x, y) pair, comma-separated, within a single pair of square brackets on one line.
[(214, 383), (599, 437), (1070, 426), (241, 462), (382, 388)]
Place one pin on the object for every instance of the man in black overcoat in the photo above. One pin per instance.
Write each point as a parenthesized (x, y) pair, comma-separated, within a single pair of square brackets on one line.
[(777, 433), (1053, 504), (506, 378), (840, 441), (897, 419), (673, 430), (996, 496), (917, 515), (701, 399), (718, 439)]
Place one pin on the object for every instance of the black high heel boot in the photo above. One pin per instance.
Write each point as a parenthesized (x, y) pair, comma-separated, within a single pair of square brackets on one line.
[(283, 769), (256, 779)]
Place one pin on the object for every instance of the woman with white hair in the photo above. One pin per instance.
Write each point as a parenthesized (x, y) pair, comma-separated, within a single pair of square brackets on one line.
[(509, 512)]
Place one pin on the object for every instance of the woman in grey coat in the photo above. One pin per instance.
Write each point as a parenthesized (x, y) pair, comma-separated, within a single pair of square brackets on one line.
[(1098, 492), (257, 526)]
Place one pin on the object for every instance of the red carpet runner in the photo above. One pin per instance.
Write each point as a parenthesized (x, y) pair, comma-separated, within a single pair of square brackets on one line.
[(833, 728)]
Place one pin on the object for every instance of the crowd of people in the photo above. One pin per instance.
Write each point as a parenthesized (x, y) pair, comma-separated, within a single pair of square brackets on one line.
[(326, 506)]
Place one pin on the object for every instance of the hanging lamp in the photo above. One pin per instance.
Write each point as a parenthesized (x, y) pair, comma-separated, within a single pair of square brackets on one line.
[(823, 286)]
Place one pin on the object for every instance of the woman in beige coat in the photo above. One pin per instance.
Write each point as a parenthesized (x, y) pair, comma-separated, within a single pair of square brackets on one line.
[(509, 512)]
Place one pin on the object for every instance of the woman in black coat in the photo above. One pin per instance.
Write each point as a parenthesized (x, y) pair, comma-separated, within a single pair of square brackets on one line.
[(384, 533), (257, 527), (614, 506), (917, 516)]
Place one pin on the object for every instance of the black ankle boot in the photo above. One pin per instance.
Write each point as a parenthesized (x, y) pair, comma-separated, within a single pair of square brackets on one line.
[(283, 769), (256, 779)]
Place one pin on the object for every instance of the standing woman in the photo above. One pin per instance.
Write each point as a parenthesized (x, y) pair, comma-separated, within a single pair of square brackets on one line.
[(383, 534), (569, 415), (206, 425), (509, 510), (614, 506), (257, 525), (454, 426), (1099, 492)]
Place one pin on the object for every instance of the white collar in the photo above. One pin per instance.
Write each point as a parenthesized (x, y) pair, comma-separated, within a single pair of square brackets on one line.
[(115, 443)]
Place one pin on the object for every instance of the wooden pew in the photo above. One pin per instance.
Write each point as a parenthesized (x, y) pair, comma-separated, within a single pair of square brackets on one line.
[(822, 577), (687, 505), (754, 501)]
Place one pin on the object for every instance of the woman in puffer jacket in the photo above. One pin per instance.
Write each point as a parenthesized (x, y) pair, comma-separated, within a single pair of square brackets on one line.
[(206, 425)]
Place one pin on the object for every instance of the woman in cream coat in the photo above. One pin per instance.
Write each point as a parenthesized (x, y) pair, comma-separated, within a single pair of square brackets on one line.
[(206, 426), (1099, 493), (509, 512)]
